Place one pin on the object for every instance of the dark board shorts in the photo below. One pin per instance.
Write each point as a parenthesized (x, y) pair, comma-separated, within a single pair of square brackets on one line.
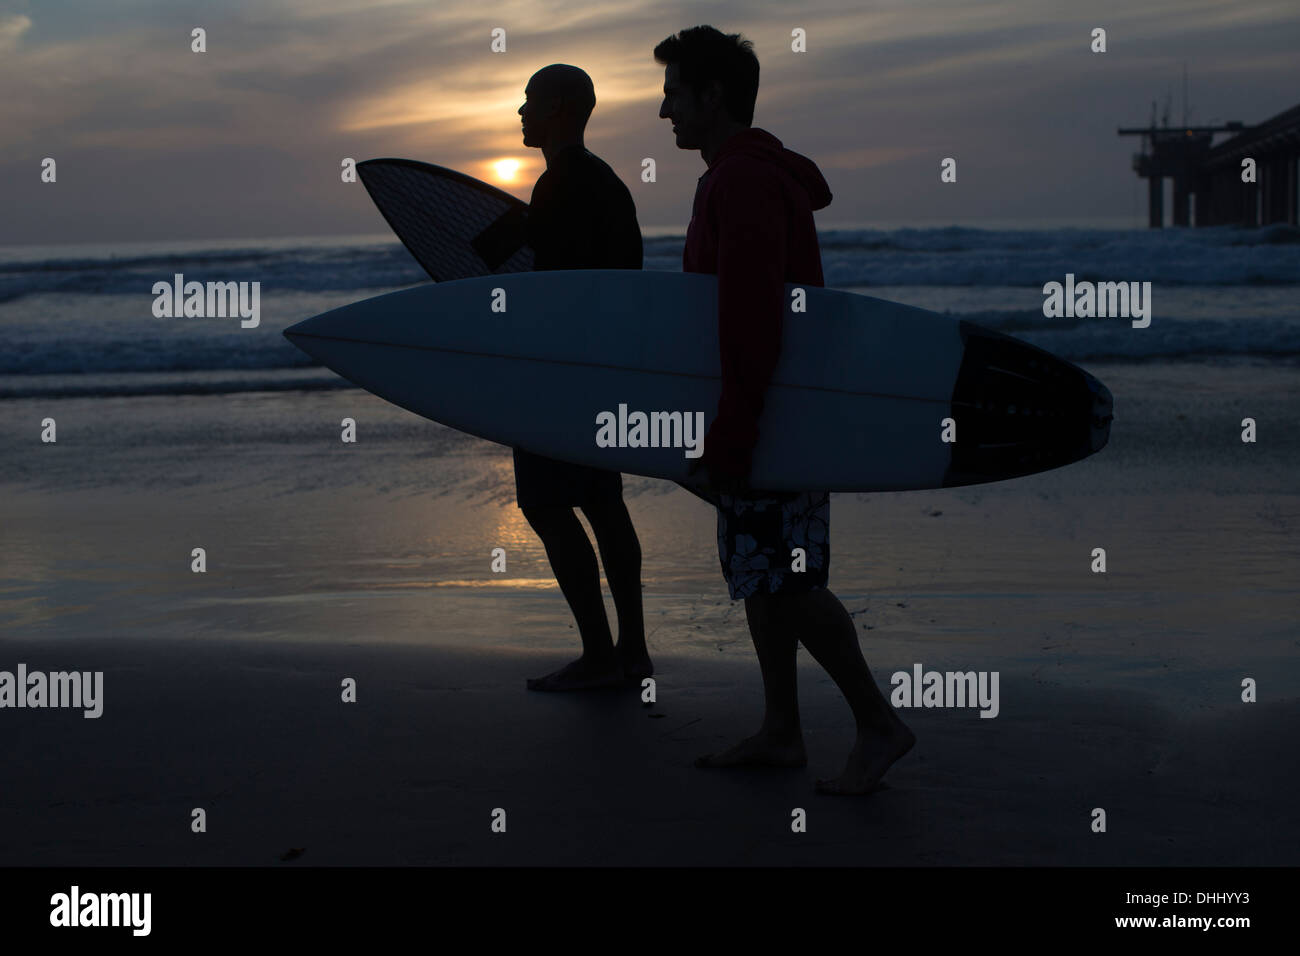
[(756, 536), (546, 483), (757, 533)]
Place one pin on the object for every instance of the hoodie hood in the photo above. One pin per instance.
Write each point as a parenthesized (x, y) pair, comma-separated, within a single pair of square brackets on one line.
[(760, 144)]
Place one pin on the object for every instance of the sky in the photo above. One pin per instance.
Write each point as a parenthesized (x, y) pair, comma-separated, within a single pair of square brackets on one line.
[(155, 142)]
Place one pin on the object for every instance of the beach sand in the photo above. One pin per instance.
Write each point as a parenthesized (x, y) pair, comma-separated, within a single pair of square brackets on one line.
[(439, 739), (222, 690)]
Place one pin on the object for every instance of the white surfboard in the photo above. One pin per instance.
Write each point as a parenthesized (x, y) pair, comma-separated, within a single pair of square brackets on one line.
[(860, 400)]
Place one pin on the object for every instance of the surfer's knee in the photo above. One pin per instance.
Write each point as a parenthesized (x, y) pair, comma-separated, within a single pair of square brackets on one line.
[(609, 513), (761, 609), (549, 519), (783, 610)]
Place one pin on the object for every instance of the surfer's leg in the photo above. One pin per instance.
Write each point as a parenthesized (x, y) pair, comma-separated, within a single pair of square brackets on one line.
[(749, 536), (620, 553), (827, 630), (574, 563), (779, 741)]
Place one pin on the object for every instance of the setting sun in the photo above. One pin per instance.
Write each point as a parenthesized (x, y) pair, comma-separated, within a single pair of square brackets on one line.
[(506, 169)]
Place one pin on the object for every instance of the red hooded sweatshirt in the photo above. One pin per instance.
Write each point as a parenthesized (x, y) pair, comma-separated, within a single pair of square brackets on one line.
[(752, 227)]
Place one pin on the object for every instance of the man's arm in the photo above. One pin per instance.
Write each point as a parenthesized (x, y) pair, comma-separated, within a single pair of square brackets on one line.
[(751, 217)]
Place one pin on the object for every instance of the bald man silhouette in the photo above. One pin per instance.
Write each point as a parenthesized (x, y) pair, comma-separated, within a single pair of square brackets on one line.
[(581, 216)]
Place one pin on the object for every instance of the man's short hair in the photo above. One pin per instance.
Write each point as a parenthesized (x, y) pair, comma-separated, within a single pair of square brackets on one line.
[(572, 86), (704, 55), (583, 99)]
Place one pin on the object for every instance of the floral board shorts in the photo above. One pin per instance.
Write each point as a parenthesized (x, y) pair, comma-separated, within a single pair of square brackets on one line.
[(756, 536)]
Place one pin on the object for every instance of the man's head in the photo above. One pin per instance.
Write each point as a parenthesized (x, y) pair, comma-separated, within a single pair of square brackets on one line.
[(557, 101), (710, 81)]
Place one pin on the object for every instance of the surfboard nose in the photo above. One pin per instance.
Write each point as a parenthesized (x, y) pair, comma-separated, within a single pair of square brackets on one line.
[(298, 329), (307, 335), (310, 335), (1103, 406)]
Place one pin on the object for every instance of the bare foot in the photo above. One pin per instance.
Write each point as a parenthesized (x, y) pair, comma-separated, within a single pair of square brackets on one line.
[(760, 750), (580, 675), (636, 662), (870, 757)]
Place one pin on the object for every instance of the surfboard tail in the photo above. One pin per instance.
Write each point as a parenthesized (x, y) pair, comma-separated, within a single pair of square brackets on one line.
[(1103, 413), (1022, 410)]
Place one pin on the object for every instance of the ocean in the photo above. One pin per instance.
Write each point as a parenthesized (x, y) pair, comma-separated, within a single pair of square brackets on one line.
[(78, 320), (177, 433)]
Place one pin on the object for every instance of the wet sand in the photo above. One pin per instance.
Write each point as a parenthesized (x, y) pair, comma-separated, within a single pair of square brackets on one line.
[(222, 689)]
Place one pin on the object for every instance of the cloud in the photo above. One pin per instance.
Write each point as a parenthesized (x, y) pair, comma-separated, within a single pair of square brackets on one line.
[(11, 28), (884, 88), (868, 157)]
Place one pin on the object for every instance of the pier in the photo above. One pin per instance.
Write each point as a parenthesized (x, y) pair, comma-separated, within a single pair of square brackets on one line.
[(1207, 178)]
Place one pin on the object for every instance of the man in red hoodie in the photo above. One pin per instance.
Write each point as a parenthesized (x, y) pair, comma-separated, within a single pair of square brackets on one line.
[(752, 226)]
